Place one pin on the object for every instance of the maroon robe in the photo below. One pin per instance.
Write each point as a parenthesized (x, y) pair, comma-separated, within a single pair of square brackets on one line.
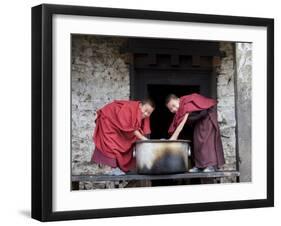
[(207, 144), (114, 133)]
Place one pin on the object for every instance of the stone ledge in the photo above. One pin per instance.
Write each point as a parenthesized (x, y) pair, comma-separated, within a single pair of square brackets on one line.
[(154, 177)]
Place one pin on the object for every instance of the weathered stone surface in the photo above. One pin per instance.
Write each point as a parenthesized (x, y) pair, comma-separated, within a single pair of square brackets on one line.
[(99, 75), (244, 108), (226, 106)]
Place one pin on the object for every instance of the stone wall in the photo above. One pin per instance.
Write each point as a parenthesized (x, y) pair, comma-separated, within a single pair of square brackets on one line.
[(244, 108), (226, 105), (100, 75)]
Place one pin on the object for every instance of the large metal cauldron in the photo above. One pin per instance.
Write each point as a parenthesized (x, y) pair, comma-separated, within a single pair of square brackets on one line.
[(162, 156)]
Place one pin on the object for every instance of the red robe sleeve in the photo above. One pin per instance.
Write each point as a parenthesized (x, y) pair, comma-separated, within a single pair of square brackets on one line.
[(124, 115), (188, 104), (129, 116)]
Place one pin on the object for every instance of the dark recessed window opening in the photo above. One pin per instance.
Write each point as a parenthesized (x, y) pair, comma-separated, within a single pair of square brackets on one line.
[(161, 118)]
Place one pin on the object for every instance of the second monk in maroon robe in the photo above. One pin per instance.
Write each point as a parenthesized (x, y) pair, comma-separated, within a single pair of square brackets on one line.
[(208, 149)]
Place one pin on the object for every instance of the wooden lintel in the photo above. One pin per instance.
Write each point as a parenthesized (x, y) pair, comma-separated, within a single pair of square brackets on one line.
[(195, 61), (152, 59), (175, 60)]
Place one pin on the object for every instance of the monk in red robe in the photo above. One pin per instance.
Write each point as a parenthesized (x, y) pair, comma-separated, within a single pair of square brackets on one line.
[(118, 125), (201, 112)]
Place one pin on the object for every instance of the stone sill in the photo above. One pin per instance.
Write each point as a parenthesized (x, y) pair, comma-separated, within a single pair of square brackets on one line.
[(130, 176)]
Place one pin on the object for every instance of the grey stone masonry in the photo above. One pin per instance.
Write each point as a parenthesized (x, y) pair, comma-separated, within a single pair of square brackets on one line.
[(99, 75), (226, 105), (244, 108)]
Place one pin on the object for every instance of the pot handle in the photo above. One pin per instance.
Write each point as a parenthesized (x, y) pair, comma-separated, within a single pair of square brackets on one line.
[(134, 151), (189, 150)]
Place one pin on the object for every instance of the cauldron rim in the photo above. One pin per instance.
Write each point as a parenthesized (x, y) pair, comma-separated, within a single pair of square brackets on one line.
[(162, 141)]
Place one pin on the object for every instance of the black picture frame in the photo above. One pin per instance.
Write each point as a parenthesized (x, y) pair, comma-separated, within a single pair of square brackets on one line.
[(42, 111)]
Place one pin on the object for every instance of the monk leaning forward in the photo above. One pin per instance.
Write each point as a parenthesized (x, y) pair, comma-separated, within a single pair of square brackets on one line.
[(201, 112), (118, 125)]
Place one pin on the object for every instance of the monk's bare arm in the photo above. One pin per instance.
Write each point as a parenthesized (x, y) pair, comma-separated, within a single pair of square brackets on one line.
[(139, 135), (179, 128)]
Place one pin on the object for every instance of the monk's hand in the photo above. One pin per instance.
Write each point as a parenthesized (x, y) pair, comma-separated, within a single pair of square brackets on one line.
[(139, 135)]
